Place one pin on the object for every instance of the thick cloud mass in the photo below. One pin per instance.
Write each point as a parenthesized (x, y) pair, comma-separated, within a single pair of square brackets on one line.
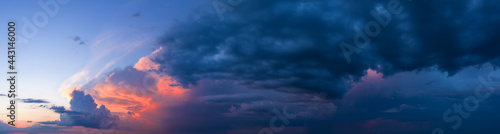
[(82, 102), (84, 112), (293, 46)]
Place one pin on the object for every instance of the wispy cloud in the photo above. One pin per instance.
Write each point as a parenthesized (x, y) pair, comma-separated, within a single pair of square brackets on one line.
[(78, 40), (137, 14), (102, 48), (29, 100)]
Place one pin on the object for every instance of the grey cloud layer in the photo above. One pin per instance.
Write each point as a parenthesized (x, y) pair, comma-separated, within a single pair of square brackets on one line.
[(293, 46)]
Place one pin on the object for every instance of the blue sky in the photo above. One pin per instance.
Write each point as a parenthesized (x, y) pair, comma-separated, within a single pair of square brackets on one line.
[(52, 56)]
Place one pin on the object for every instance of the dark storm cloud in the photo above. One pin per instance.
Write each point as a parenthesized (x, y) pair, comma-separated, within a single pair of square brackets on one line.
[(234, 98), (293, 46), (402, 103), (405, 103), (237, 108)]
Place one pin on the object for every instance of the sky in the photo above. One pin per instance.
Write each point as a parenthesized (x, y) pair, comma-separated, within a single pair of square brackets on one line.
[(254, 67)]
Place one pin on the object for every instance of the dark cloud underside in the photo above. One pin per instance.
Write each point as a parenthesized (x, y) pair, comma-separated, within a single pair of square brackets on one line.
[(293, 46)]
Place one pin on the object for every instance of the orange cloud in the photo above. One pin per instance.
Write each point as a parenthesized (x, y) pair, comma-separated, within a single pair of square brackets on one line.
[(139, 104), (139, 94), (145, 63)]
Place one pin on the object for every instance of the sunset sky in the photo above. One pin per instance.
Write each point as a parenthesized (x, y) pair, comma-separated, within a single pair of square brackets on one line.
[(254, 66)]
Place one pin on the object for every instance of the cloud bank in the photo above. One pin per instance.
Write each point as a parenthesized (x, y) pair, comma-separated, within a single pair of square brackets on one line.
[(293, 46), (228, 76), (84, 112)]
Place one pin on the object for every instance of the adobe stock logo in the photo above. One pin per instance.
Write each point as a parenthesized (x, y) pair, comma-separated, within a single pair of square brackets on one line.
[(272, 123), (221, 7), (372, 29), (30, 27), (470, 104)]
